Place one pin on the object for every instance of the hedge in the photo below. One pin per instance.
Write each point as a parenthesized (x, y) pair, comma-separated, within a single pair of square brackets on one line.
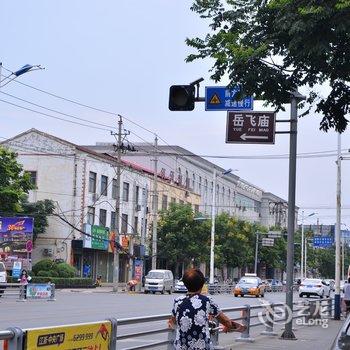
[(60, 282)]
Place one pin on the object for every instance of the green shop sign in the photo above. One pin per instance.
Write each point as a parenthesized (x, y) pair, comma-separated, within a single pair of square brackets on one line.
[(97, 237)]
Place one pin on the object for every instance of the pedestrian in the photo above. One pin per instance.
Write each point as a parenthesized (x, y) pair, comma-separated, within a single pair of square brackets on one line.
[(191, 315), (24, 279), (347, 296)]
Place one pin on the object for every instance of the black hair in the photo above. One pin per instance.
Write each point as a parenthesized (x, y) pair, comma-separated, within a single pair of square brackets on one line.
[(193, 279)]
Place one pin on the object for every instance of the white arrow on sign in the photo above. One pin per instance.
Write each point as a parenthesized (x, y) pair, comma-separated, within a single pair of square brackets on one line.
[(246, 137)]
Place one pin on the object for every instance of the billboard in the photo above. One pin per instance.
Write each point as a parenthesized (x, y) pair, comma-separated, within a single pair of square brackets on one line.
[(15, 232)]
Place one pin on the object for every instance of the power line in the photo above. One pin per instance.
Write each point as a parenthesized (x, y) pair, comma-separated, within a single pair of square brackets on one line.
[(54, 117), (56, 111)]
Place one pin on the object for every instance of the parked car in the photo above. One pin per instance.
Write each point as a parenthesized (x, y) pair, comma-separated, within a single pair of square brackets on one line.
[(3, 277), (159, 281), (314, 286), (249, 285), (180, 287), (342, 284), (331, 284)]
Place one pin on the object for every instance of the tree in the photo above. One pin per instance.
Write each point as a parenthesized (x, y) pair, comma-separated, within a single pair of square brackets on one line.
[(270, 48), (14, 182), (40, 211), (180, 238)]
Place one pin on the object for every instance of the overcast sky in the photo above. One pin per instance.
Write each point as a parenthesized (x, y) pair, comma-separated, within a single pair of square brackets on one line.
[(122, 56)]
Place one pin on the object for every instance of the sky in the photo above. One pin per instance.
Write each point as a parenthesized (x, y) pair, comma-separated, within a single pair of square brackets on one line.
[(122, 56)]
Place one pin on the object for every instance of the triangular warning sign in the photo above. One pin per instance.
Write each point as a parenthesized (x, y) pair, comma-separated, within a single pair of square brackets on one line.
[(215, 100)]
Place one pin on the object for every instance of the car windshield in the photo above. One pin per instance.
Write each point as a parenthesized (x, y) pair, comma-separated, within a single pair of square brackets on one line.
[(2, 267), (155, 275), (248, 281), (312, 281)]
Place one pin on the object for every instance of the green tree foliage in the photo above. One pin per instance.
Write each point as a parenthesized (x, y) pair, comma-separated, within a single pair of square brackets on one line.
[(273, 47), (14, 182), (40, 211), (50, 268), (180, 239)]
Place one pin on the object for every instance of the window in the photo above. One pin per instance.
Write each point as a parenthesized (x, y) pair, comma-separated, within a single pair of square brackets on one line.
[(206, 185), (181, 201), (124, 223), (113, 221), (126, 192), (137, 194), (173, 200), (33, 177), (114, 189), (196, 208), (136, 224), (164, 202), (91, 215), (92, 182), (193, 181), (200, 184), (103, 217), (104, 184)]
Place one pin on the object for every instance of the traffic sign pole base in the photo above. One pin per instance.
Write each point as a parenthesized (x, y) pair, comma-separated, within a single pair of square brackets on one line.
[(244, 340), (288, 335), (271, 334)]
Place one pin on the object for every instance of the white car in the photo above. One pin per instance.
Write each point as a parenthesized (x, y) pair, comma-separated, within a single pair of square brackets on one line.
[(159, 281), (3, 277), (180, 287), (314, 286)]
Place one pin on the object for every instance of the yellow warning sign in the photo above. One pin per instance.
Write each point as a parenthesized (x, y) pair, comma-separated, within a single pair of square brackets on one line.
[(215, 100)]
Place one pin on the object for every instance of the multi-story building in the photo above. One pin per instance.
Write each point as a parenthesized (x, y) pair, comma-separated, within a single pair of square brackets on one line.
[(82, 184), (234, 195)]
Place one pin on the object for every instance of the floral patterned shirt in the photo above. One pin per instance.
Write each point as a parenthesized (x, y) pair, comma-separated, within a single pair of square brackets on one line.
[(192, 320)]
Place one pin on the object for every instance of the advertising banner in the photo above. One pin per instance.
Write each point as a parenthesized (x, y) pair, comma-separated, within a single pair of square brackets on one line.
[(111, 243), (15, 232), (38, 291), (138, 269), (94, 336), (16, 269)]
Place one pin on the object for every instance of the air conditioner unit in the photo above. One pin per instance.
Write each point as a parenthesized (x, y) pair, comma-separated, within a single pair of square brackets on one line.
[(138, 207), (48, 252)]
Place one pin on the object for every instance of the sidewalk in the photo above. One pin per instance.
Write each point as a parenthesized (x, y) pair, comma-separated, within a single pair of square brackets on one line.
[(308, 337)]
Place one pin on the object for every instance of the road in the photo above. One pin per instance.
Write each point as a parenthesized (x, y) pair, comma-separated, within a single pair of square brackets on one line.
[(89, 306)]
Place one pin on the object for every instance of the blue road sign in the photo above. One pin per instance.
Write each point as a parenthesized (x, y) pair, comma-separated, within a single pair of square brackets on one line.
[(323, 241), (221, 98)]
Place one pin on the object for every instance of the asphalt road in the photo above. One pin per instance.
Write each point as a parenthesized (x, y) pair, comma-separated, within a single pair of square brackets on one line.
[(87, 306)]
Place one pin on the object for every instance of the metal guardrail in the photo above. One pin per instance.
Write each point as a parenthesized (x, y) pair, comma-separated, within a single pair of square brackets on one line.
[(18, 291), (268, 316)]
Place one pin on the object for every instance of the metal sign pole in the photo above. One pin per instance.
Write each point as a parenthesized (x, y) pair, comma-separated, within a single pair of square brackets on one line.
[(288, 332)]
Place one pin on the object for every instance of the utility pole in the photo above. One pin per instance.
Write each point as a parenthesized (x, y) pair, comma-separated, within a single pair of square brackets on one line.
[(295, 97), (302, 247), (337, 235), (256, 253), (117, 208), (212, 233), (155, 205)]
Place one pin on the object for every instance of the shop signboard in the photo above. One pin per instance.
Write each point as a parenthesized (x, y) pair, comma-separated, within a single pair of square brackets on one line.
[(81, 336), (38, 291), (97, 237)]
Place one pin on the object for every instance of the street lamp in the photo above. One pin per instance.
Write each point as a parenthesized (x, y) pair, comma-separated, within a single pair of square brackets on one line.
[(13, 75), (212, 235), (302, 245)]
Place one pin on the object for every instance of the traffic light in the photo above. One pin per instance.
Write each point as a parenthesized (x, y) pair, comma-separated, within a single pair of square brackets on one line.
[(181, 97)]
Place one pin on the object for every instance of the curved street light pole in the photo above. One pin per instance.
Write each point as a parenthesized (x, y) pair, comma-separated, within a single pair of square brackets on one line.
[(13, 75)]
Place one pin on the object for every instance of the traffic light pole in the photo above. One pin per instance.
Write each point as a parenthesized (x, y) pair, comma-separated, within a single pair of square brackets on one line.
[(288, 332)]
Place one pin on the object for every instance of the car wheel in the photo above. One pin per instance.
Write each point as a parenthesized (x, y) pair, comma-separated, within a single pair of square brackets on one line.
[(301, 295), (235, 295), (322, 295), (163, 291), (170, 290), (146, 291)]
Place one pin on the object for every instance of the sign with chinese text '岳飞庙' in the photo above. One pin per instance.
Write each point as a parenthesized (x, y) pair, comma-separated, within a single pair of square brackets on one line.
[(250, 127), (94, 336)]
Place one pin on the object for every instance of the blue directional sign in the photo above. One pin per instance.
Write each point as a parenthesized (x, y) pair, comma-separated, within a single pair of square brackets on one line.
[(221, 98), (323, 241)]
